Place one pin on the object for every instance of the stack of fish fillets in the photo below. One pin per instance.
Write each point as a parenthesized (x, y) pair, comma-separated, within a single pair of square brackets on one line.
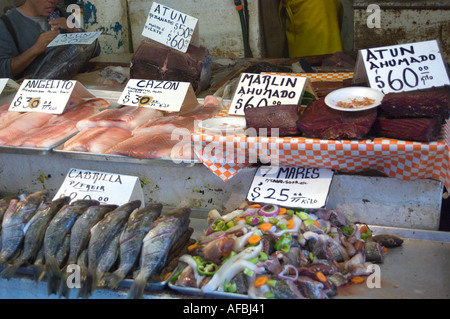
[(107, 244)]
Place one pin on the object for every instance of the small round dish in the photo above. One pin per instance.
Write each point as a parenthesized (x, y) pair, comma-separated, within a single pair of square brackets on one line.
[(354, 99), (220, 125)]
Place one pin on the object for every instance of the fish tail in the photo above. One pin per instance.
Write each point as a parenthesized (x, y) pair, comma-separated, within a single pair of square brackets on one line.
[(86, 288), (38, 272), (53, 275), (113, 280), (9, 271), (64, 290), (137, 288)]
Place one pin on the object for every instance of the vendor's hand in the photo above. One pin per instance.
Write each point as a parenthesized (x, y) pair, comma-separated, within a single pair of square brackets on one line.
[(61, 24), (44, 39)]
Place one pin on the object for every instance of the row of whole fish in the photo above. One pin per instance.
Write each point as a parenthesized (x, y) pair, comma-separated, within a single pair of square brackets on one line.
[(107, 242)]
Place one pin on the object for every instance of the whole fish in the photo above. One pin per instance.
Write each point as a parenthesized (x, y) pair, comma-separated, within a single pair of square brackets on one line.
[(55, 238), (157, 243), (137, 227), (4, 204), (80, 233), (14, 223), (64, 61), (10, 209), (34, 234), (102, 234), (107, 259)]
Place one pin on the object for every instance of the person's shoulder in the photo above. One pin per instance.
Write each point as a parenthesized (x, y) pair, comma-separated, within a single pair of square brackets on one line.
[(12, 12)]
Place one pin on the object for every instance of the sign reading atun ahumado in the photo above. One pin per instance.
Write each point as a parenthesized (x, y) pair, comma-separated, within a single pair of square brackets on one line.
[(169, 27), (403, 67)]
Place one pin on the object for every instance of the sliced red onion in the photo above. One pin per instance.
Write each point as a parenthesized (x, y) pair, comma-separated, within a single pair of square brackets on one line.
[(250, 211), (210, 237), (282, 275), (269, 210)]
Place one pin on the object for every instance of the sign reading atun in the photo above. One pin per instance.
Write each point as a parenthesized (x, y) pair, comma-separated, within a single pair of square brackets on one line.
[(169, 27), (259, 90), (403, 67)]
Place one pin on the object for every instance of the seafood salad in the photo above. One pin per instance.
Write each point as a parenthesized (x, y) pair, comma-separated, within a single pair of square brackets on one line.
[(267, 251)]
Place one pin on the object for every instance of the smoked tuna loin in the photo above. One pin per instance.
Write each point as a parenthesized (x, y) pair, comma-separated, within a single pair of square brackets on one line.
[(409, 129), (323, 122), (433, 102), (266, 120), (155, 61)]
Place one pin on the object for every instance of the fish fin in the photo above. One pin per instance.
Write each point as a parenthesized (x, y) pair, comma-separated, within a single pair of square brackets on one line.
[(114, 279), (53, 275), (9, 271), (137, 288), (86, 288), (64, 290), (38, 272)]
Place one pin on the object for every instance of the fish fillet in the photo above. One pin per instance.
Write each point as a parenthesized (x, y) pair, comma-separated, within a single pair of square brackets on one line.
[(166, 125), (23, 124), (96, 139), (60, 127), (6, 115), (155, 146), (126, 117)]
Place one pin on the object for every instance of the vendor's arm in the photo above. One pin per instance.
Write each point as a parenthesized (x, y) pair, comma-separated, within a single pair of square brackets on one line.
[(22, 61)]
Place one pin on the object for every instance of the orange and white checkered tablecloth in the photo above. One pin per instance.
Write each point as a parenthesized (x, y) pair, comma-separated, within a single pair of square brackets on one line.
[(405, 160)]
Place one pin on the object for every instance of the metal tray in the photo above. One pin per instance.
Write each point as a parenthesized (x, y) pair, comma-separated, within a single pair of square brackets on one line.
[(416, 270), (33, 150), (121, 158)]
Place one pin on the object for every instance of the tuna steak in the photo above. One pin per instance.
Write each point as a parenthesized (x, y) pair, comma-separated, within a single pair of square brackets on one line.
[(155, 61)]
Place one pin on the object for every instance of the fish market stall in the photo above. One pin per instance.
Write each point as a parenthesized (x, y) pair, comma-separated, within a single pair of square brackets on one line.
[(182, 137)]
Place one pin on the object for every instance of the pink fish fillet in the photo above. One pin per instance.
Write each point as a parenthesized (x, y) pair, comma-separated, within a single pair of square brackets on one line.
[(96, 139), (60, 127), (155, 146), (6, 115), (126, 117), (212, 105), (167, 125), (23, 124)]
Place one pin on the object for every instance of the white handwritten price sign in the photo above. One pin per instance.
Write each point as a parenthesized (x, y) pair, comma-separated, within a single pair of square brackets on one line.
[(47, 96), (75, 38), (259, 90), (106, 188), (161, 95), (403, 67), (169, 27), (301, 187)]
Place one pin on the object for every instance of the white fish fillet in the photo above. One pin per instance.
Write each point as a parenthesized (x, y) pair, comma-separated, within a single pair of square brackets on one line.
[(23, 124), (96, 139), (126, 117), (60, 127)]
